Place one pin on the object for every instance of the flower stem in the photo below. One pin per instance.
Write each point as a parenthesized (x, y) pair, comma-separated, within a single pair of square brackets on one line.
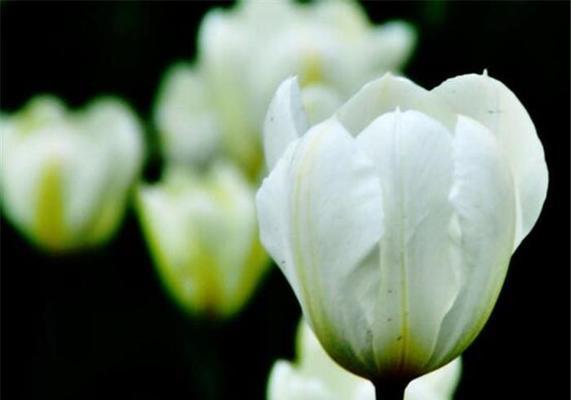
[(390, 390)]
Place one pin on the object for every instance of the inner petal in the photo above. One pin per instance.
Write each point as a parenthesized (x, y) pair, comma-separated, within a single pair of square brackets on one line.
[(418, 279)]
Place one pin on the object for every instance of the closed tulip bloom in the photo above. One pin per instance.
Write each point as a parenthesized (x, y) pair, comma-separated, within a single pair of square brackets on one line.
[(65, 175), (395, 219), (315, 376), (246, 51), (202, 232)]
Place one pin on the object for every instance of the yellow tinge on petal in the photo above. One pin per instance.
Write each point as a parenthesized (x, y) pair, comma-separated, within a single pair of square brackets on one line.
[(50, 225)]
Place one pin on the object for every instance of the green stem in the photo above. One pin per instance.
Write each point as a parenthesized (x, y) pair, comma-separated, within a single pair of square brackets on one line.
[(390, 390)]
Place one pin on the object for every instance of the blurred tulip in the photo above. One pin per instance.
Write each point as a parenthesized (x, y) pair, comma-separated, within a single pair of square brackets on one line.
[(245, 52), (394, 220), (65, 176), (315, 376), (203, 235)]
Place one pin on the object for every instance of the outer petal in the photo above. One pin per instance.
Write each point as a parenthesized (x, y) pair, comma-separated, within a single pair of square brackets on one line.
[(392, 45), (348, 17), (108, 163), (286, 383), (490, 102), (320, 102), (418, 275), (228, 216), (437, 385), (384, 95), (173, 241), (285, 121), (320, 216), (483, 198), (32, 168), (32, 156), (263, 16), (313, 362), (185, 117), (225, 52)]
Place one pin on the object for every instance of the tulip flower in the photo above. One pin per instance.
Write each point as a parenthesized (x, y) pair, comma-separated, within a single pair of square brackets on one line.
[(395, 219), (202, 232), (315, 376), (218, 105), (65, 175)]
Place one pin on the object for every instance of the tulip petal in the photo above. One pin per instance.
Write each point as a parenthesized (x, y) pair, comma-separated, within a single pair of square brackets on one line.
[(31, 153), (392, 44), (490, 102), (224, 47), (437, 385), (172, 240), (285, 121), (320, 102), (385, 95), (418, 278), (347, 17), (286, 383), (484, 201), (314, 363), (110, 159), (320, 216), (187, 122)]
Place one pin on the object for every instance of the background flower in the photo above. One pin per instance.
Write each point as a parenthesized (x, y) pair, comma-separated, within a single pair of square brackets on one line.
[(202, 232), (65, 175)]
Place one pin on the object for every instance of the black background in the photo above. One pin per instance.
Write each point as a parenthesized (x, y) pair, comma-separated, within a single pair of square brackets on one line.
[(98, 325)]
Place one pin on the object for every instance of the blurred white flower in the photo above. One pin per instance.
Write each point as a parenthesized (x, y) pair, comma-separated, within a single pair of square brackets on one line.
[(246, 51), (315, 376), (202, 232), (395, 219), (65, 175)]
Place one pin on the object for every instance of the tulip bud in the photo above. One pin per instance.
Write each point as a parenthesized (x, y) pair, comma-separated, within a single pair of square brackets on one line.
[(65, 175), (395, 219), (203, 236), (247, 51), (315, 376)]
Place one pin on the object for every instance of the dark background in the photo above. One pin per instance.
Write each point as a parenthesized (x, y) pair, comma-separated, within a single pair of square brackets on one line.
[(98, 325)]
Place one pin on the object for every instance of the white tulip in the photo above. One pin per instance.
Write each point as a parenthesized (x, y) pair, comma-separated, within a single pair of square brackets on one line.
[(65, 176), (315, 376), (395, 219), (203, 235), (245, 52)]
